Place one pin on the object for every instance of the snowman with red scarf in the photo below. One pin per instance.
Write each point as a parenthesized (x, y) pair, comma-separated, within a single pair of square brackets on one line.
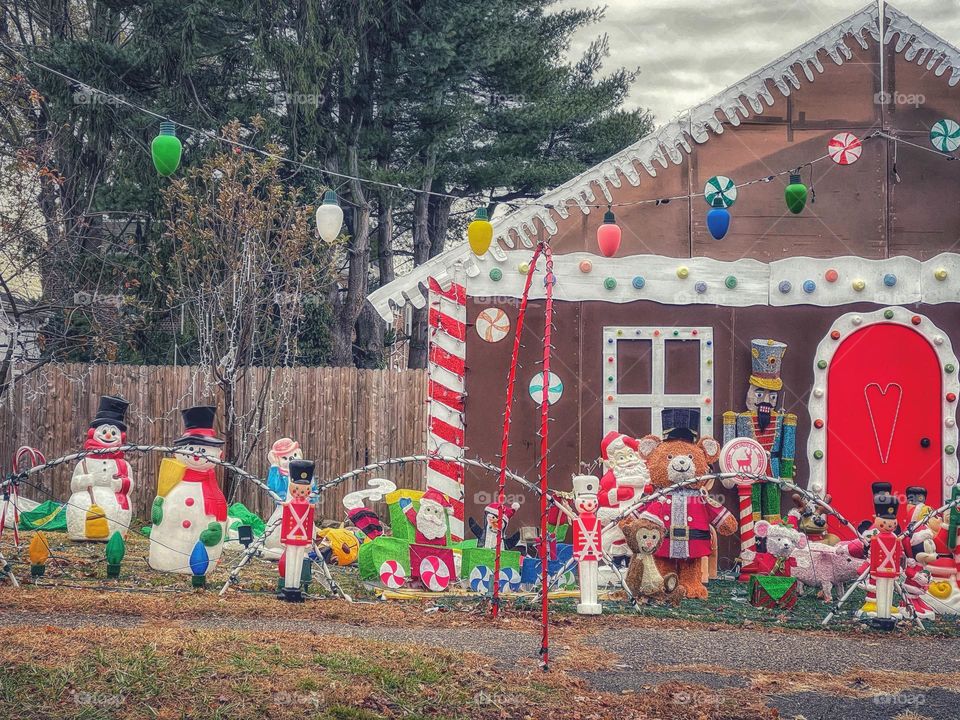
[(104, 479), (190, 508)]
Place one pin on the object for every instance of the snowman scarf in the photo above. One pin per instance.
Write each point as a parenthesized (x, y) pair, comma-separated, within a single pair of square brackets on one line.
[(123, 473), (214, 503)]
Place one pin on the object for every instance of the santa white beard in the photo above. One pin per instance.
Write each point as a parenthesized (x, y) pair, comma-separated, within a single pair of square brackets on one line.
[(430, 525)]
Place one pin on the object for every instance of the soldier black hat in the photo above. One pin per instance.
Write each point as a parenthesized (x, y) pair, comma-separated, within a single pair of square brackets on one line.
[(885, 503), (680, 424), (112, 411), (198, 427), (301, 472), (916, 495)]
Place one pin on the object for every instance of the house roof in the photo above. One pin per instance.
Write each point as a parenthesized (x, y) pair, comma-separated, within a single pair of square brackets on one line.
[(671, 142)]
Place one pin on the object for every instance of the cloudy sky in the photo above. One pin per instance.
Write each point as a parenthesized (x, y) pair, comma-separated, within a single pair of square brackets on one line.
[(687, 50)]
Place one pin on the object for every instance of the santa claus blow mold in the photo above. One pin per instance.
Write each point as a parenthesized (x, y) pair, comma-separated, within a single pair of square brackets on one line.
[(431, 520), (189, 506), (105, 477), (624, 482)]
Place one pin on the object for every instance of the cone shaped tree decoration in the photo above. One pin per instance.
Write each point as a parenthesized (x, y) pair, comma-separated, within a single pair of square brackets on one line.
[(166, 149), (480, 233), (718, 219), (609, 234), (39, 553), (329, 217), (795, 194), (116, 549)]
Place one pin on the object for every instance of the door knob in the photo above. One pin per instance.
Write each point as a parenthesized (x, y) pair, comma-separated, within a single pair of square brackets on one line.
[(924, 442)]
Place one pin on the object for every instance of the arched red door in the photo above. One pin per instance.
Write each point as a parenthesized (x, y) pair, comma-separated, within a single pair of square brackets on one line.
[(883, 418)]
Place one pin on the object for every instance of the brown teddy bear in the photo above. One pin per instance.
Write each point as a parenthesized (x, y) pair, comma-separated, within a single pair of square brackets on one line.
[(687, 513), (643, 536)]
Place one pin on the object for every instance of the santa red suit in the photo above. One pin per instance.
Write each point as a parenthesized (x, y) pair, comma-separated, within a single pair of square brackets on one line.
[(624, 482), (430, 522)]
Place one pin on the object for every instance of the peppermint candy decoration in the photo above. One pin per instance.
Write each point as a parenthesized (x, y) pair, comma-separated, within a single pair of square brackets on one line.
[(492, 325), (554, 391), (392, 574), (945, 135), (844, 148), (722, 187), (509, 580), (480, 578), (434, 574)]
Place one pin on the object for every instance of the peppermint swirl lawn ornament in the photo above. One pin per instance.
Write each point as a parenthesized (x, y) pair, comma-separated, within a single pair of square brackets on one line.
[(554, 392), (492, 325), (722, 188), (945, 135), (480, 578), (434, 573), (392, 574), (845, 148)]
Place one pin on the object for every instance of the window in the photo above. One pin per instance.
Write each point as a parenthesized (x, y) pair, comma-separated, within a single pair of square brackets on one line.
[(646, 369)]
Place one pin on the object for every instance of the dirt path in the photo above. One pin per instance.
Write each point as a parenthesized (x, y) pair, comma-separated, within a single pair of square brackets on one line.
[(813, 675)]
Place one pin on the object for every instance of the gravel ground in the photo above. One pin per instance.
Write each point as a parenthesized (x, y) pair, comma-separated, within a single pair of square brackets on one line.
[(647, 654)]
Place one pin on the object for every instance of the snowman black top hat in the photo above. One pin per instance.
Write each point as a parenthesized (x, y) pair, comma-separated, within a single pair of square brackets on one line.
[(112, 411), (198, 427)]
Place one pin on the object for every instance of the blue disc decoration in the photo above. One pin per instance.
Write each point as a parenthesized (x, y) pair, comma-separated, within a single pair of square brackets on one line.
[(718, 222), (700, 287), (509, 580), (785, 286), (809, 286), (639, 282), (554, 391), (889, 279), (480, 578)]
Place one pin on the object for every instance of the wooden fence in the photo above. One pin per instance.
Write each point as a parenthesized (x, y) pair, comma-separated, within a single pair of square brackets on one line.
[(343, 418)]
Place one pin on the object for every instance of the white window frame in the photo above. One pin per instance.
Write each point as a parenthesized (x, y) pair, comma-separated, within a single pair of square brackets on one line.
[(657, 398)]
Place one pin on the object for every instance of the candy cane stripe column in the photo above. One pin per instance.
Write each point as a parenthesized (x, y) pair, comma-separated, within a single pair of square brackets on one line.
[(447, 354), (745, 495)]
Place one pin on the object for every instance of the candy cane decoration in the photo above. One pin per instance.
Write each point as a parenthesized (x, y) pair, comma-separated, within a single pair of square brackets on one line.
[(447, 353), (745, 495)]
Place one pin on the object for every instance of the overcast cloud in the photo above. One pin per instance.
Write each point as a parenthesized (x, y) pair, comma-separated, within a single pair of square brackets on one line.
[(687, 50)]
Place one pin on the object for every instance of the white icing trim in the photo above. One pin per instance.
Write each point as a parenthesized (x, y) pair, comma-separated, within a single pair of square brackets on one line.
[(817, 405), (657, 398), (798, 270)]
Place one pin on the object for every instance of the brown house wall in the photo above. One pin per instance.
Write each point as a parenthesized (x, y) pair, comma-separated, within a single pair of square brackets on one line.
[(577, 419)]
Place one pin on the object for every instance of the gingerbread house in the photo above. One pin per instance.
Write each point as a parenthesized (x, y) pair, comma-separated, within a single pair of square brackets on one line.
[(863, 285)]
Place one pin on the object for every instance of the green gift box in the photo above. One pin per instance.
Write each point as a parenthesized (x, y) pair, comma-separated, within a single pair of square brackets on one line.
[(376, 552)]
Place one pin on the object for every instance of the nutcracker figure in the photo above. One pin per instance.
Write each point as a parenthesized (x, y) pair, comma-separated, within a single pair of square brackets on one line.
[(586, 542), (296, 533), (886, 552), (775, 430), (624, 482)]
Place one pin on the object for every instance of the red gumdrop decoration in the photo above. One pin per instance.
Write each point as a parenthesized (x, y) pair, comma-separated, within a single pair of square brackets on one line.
[(835, 334), (831, 276)]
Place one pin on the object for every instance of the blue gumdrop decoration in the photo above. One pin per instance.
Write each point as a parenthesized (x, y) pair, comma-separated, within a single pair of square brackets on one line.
[(718, 222), (889, 279), (809, 286)]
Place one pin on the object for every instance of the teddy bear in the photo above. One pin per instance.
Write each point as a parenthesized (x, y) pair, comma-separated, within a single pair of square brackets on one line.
[(643, 536), (688, 512)]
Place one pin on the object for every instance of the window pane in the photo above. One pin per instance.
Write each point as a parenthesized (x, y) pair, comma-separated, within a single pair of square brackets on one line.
[(681, 367), (635, 422), (634, 367)]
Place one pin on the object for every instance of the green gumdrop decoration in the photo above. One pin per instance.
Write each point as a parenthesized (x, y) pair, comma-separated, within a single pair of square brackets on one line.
[(166, 149), (795, 195)]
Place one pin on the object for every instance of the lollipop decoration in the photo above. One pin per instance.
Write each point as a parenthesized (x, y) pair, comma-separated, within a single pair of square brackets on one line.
[(721, 188), (845, 148), (945, 135)]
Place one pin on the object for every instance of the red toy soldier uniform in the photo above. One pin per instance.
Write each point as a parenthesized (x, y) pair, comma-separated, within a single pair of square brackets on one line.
[(296, 530), (886, 551), (586, 542)]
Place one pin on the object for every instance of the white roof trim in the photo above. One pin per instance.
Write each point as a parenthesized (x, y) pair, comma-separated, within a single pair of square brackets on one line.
[(672, 141)]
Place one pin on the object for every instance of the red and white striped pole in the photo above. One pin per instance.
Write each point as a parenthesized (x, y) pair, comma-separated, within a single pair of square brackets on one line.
[(447, 354), (745, 495)]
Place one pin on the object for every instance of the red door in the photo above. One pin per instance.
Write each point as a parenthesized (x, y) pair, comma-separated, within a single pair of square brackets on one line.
[(883, 418)]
